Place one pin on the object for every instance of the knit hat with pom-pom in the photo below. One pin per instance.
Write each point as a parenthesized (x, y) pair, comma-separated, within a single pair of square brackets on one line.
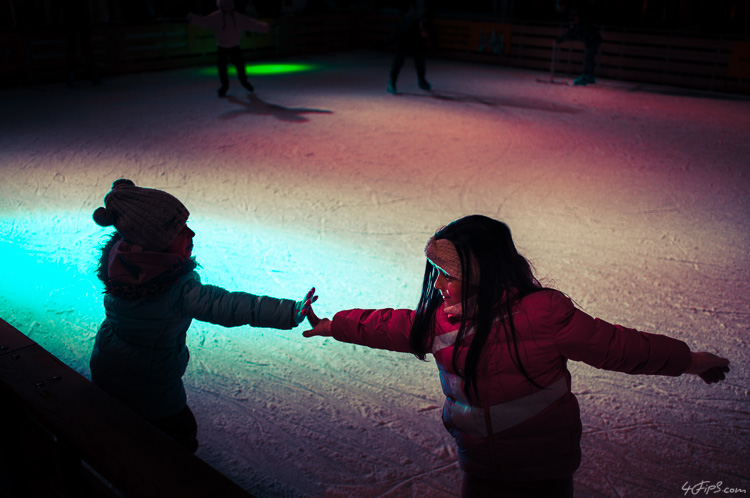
[(147, 217)]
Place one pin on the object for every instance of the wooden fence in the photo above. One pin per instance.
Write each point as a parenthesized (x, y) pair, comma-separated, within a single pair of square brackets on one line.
[(39, 56), (64, 437), (697, 61), (689, 60)]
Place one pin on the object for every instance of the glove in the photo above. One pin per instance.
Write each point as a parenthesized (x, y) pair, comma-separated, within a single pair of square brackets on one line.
[(302, 307)]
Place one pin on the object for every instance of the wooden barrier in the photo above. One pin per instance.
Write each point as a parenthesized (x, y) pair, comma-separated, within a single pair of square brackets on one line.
[(39, 56), (705, 62), (689, 60), (62, 436)]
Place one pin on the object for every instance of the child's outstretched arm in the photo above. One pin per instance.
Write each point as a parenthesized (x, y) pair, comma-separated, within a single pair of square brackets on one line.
[(213, 304), (321, 327), (708, 366), (205, 22), (253, 25), (386, 328)]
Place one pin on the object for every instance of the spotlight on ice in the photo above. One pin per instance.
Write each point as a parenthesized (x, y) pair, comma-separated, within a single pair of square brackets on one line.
[(263, 69)]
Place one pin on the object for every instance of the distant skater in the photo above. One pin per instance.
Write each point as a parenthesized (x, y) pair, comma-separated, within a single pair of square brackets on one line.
[(77, 22), (582, 29), (228, 25), (152, 293), (409, 36), (502, 342)]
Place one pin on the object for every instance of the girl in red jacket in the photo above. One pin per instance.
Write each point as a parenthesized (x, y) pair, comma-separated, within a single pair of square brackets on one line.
[(501, 342)]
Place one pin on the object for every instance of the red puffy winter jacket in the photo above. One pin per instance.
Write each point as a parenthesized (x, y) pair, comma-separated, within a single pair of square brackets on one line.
[(518, 431)]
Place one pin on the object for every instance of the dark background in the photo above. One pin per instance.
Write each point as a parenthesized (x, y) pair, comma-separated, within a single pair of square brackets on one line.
[(698, 16)]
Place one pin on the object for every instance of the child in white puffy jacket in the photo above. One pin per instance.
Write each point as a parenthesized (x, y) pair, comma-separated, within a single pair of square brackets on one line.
[(228, 25)]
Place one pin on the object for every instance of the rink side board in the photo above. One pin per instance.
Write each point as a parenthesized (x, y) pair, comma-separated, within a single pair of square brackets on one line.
[(63, 433)]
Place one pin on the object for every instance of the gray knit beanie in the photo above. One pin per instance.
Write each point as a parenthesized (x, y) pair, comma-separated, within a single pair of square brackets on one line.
[(147, 217)]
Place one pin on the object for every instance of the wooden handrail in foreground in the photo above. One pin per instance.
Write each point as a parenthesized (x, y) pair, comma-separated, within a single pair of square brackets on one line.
[(62, 434)]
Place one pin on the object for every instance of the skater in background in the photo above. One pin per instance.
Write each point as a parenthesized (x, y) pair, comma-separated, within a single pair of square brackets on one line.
[(501, 342), (228, 25), (77, 22), (581, 29), (152, 294), (410, 36)]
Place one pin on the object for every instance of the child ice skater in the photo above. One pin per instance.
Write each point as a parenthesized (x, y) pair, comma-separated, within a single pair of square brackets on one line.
[(582, 28), (409, 36), (152, 294), (228, 25), (501, 342)]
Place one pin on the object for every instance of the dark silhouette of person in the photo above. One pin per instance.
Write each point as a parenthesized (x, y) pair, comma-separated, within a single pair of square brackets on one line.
[(77, 22), (228, 26), (409, 37), (582, 28)]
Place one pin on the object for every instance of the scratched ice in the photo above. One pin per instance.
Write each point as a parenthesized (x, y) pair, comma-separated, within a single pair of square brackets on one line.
[(633, 200)]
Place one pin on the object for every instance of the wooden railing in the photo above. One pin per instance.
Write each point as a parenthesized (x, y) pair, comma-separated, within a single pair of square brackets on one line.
[(39, 56), (689, 60), (706, 62), (64, 437)]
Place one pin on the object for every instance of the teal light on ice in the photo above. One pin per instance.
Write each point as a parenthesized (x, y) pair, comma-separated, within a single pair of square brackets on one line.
[(49, 289), (49, 264)]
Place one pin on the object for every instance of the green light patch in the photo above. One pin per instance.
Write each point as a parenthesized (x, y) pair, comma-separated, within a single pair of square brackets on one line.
[(262, 69)]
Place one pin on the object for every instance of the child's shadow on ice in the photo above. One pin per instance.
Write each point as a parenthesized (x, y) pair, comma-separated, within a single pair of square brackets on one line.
[(495, 101), (255, 105)]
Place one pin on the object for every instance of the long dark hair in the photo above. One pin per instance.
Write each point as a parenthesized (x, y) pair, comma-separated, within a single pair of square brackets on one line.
[(505, 277)]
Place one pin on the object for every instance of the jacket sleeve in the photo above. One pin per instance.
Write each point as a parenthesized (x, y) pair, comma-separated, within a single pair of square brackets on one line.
[(205, 22), (254, 25), (603, 345), (380, 329), (213, 304)]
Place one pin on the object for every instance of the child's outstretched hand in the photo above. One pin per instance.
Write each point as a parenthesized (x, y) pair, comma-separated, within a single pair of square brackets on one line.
[(319, 327), (709, 367), (302, 307)]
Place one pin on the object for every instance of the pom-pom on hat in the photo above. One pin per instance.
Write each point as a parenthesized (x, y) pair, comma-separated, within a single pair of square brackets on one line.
[(147, 217)]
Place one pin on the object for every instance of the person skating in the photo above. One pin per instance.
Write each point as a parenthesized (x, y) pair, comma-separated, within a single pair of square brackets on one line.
[(501, 342), (152, 294), (228, 26), (582, 29), (409, 37)]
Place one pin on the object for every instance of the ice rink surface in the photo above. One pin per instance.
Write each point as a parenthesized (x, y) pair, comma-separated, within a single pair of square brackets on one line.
[(632, 199)]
